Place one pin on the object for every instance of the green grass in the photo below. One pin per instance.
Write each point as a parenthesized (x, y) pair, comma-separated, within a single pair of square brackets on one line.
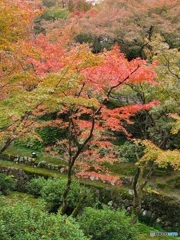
[(31, 170), (41, 156)]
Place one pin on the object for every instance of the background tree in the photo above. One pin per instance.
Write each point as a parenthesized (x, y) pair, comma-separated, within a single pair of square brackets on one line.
[(16, 75), (129, 22), (156, 124)]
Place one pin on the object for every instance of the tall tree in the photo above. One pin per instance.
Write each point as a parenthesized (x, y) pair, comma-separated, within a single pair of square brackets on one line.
[(80, 93)]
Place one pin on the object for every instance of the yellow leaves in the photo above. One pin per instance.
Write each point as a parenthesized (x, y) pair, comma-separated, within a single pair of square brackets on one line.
[(163, 158), (15, 19), (176, 125), (81, 58), (169, 157)]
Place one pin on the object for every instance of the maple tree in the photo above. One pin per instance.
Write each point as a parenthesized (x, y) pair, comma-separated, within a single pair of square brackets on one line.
[(25, 61), (80, 93), (129, 22), (161, 123), (167, 91)]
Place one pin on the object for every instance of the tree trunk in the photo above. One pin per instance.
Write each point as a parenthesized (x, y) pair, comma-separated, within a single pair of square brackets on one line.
[(138, 186), (6, 145), (66, 191), (78, 207), (137, 199)]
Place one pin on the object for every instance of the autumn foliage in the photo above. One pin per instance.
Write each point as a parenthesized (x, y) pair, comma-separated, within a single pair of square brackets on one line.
[(53, 75)]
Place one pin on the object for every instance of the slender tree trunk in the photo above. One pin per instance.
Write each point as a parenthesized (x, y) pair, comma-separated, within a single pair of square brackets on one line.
[(137, 200), (66, 191), (63, 4), (138, 186), (72, 159), (6, 145)]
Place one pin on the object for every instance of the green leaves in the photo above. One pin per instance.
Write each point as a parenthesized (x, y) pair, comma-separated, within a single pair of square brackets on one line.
[(106, 224), (21, 220)]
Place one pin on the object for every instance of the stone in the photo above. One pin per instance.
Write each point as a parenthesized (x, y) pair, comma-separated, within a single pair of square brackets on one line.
[(16, 160), (131, 192), (129, 209), (144, 213), (92, 178), (158, 220), (21, 160)]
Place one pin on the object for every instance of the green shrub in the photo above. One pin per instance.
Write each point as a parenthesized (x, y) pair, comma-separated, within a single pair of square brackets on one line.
[(106, 224), (7, 184), (22, 221), (48, 135), (35, 186), (51, 190), (30, 143)]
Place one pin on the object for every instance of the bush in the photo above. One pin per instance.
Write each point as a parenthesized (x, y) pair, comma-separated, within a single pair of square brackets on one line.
[(21, 221), (35, 186), (106, 224), (7, 184), (51, 190)]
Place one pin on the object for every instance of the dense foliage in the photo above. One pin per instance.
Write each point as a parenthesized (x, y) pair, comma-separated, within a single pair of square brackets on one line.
[(51, 190), (107, 224), (22, 221), (7, 184)]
